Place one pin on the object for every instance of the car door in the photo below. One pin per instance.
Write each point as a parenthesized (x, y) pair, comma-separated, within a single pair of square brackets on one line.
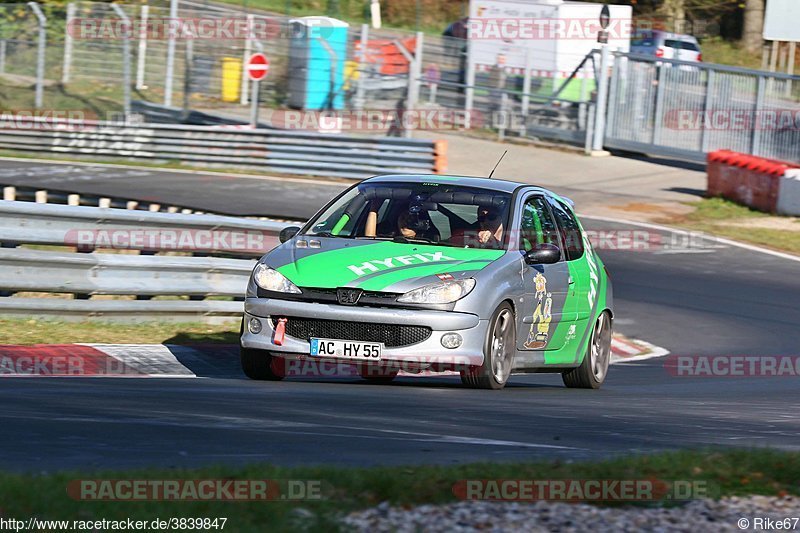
[(581, 262), (540, 309)]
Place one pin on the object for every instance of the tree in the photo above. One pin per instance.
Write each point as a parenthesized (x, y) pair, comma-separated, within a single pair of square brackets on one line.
[(752, 39)]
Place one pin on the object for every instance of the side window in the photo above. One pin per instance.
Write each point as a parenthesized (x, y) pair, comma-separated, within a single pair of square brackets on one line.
[(537, 225), (570, 230)]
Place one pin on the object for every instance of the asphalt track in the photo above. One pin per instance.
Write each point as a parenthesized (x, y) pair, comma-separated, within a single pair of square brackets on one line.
[(705, 299)]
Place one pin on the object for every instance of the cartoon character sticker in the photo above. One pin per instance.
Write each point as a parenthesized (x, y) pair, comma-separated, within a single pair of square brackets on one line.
[(542, 315)]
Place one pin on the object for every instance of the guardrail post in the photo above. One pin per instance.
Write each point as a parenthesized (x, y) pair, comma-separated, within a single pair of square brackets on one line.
[(65, 70), (173, 15), (359, 100), (126, 63), (40, 53), (141, 57), (2, 56), (602, 101), (755, 142)]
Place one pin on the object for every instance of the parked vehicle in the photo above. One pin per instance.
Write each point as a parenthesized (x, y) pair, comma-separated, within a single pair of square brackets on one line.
[(667, 45)]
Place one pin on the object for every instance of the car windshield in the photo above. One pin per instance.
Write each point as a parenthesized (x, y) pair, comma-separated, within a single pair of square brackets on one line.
[(437, 213)]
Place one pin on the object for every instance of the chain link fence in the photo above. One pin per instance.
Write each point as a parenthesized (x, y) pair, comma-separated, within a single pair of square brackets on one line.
[(656, 106)]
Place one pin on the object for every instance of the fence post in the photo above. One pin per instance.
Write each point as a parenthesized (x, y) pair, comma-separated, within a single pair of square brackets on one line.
[(612, 94), (173, 15), (790, 67), (526, 84), (126, 63), (248, 49), (358, 102), (602, 101), (712, 76), (469, 92), (2, 56), (141, 56), (40, 52), (414, 75), (65, 71), (659, 105), (188, 64), (755, 146)]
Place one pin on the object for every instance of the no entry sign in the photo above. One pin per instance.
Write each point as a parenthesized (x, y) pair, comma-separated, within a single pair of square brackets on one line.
[(257, 67)]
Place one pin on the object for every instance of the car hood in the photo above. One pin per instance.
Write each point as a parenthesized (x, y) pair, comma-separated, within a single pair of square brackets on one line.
[(376, 265)]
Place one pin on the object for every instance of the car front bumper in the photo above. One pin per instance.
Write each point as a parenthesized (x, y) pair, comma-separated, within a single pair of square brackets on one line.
[(423, 354)]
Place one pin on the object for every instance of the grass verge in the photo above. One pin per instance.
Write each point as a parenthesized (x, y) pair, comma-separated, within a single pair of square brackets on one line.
[(728, 473), (724, 218), (31, 331)]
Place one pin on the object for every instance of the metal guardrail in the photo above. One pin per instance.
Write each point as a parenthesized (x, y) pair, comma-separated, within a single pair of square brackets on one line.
[(289, 152), (49, 224), (60, 271)]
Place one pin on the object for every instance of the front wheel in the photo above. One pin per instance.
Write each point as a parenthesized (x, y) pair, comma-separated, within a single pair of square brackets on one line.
[(594, 368), (498, 352), (261, 365)]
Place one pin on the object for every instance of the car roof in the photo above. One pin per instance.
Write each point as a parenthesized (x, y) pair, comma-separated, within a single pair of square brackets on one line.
[(498, 185)]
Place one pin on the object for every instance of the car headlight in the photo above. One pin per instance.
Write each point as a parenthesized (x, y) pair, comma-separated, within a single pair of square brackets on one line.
[(443, 292), (270, 279)]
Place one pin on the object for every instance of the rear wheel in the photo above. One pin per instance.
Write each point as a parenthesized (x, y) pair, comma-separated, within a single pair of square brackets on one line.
[(498, 352), (594, 368)]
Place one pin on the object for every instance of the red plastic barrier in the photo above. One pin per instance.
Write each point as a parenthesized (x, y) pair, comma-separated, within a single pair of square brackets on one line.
[(385, 54), (745, 179)]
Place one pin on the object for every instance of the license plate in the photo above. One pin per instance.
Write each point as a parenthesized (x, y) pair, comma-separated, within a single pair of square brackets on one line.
[(362, 351)]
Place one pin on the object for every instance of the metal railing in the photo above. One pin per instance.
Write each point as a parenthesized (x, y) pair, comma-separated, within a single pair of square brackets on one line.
[(168, 268), (687, 109)]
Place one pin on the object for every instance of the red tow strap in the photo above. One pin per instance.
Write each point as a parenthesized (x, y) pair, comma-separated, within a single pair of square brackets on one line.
[(280, 332)]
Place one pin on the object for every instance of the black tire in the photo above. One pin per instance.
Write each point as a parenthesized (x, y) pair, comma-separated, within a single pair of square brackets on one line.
[(261, 365), (377, 374), (501, 336), (594, 368)]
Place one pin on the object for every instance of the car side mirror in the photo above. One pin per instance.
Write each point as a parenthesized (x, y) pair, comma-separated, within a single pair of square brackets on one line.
[(288, 233), (543, 254)]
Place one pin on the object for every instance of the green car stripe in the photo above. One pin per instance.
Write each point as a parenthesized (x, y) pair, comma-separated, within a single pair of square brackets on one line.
[(348, 264)]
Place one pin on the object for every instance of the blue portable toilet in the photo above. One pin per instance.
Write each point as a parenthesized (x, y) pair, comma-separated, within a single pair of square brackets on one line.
[(317, 53)]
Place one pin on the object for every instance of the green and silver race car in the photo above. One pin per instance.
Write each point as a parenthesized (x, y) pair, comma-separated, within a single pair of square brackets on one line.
[(425, 273)]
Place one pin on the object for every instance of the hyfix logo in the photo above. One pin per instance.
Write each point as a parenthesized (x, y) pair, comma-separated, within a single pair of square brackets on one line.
[(377, 265)]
